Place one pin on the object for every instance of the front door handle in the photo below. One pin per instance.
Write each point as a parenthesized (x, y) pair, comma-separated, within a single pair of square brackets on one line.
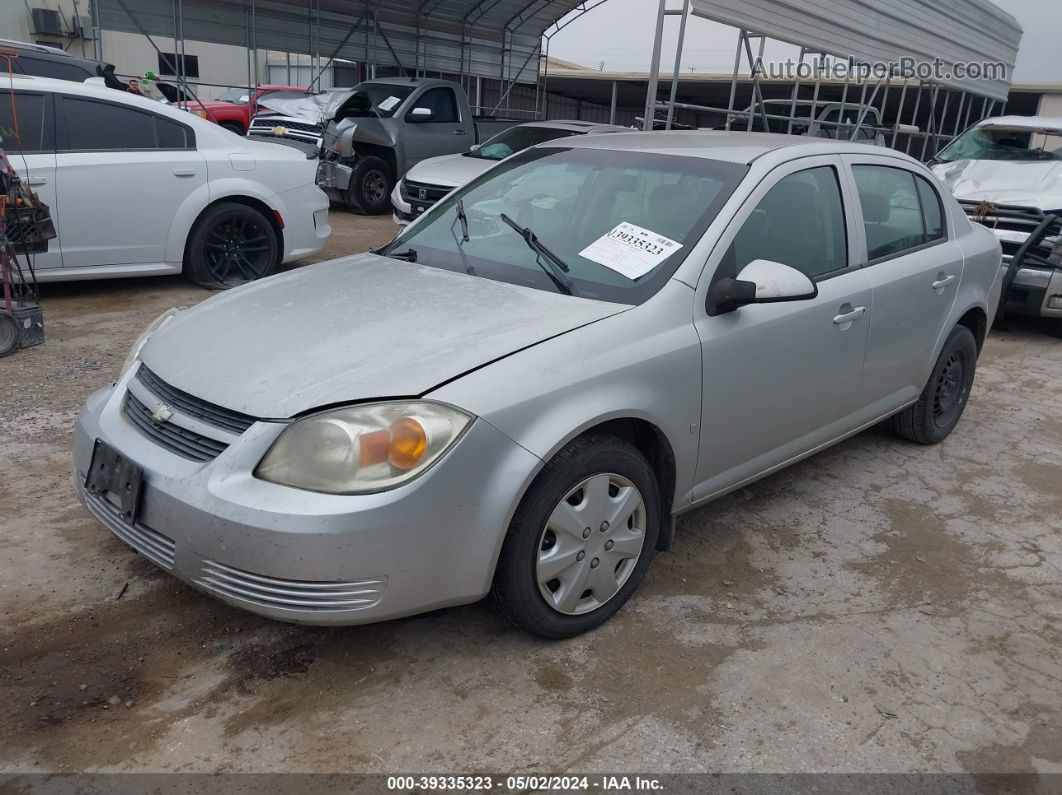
[(460, 132), (36, 181), (184, 172), (943, 281), (845, 319)]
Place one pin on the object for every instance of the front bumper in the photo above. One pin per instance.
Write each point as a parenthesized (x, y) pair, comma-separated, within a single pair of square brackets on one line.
[(333, 175), (304, 557)]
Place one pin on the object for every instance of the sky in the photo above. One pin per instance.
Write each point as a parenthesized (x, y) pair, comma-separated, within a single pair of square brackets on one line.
[(620, 34)]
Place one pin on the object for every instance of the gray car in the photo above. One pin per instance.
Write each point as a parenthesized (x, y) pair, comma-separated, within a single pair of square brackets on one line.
[(520, 392)]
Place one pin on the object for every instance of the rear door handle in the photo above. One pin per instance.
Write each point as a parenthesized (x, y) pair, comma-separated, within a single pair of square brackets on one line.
[(36, 181), (184, 172), (846, 318), (943, 282), (460, 132)]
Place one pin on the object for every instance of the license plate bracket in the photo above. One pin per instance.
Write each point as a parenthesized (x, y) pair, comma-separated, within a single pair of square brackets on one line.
[(110, 473)]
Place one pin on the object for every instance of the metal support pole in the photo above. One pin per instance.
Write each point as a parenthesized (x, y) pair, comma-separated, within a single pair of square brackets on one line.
[(612, 107), (899, 114), (796, 93), (914, 117), (654, 69), (734, 79), (544, 113), (678, 65), (757, 93), (932, 125)]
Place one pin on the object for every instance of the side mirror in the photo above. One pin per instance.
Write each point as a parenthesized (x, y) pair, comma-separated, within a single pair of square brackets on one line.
[(420, 115), (762, 282), (473, 148)]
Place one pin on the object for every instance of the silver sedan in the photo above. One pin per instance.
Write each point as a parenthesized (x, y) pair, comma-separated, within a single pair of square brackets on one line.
[(519, 393)]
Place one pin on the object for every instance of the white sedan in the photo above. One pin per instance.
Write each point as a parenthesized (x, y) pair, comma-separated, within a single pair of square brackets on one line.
[(140, 188)]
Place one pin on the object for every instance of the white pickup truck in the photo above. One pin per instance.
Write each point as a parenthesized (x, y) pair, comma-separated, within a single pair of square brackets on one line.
[(370, 136), (1006, 172)]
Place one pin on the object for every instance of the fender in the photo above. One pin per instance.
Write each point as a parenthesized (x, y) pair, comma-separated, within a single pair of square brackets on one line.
[(197, 201)]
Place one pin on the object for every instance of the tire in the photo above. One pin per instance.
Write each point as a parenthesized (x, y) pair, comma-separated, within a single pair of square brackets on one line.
[(371, 183), (937, 412), (1054, 327), (231, 244), (233, 127), (548, 531), (10, 334)]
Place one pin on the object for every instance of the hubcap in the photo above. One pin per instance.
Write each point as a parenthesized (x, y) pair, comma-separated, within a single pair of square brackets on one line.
[(237, 250), (951, 391), (375, 187), (591, 544)]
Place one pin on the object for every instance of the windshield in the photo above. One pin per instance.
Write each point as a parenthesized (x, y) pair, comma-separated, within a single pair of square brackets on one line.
[(516, 139), (622, 225), (382, 98), (237, 96), (1003, 143)]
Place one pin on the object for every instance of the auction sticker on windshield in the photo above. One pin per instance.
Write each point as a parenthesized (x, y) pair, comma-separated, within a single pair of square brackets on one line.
[(630, 250), (389, 103)]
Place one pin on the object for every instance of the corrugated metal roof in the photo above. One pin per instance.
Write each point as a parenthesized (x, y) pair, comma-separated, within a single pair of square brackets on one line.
[(883, 31), (453, 36)]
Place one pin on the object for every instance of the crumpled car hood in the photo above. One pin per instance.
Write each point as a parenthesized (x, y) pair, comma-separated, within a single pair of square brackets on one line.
[(1036, 184), (351, 329), (313, 108)]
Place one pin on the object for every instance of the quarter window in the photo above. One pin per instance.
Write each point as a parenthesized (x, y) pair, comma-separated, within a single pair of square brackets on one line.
[(800, 223), (31, 133), (900, 211), (931, 209)]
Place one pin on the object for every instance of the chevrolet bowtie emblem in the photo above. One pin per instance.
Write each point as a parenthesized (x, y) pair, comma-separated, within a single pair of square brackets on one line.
[(162, 414), (280, 132)]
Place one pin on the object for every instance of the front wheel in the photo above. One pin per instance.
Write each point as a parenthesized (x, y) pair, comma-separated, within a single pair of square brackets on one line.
[(581, 539), (231, 244), (371, 183), (941, 403)]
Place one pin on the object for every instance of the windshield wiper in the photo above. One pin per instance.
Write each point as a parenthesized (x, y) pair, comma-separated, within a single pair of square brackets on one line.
[(460, 242), (409, 255), (553, 265)]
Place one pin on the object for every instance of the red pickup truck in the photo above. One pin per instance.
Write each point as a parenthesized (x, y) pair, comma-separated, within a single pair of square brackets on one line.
[(233, 111)]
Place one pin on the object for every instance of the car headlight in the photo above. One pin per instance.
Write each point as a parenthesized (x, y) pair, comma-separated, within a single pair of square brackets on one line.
[(153, 326), (363, 449)]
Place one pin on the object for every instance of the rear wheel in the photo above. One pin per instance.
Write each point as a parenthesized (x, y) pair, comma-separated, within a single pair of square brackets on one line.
[(581, 539), (943, 400), (231, 244), (371, 183)]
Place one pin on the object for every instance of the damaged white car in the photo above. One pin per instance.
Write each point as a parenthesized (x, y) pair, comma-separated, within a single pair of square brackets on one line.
[(1006, 172)]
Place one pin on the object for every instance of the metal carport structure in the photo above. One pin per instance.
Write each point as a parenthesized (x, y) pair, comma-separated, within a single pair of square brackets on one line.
[(463, 39)]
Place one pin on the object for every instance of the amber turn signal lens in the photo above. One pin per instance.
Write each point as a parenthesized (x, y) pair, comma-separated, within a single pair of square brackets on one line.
[(375, 448), (408, 443)]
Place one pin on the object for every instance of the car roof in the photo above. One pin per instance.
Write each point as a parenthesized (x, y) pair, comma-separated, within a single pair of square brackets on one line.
[(730, 146), (1052, 123), (44, 49)]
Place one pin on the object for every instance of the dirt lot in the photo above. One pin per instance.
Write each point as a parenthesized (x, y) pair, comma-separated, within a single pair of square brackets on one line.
[(881, 607)]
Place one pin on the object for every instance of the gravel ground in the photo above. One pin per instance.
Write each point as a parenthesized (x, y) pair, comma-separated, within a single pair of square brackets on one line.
[(880, 607)]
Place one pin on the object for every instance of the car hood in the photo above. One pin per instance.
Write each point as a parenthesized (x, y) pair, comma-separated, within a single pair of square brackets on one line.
[(1036, 184), (449, 170), (352, 329)]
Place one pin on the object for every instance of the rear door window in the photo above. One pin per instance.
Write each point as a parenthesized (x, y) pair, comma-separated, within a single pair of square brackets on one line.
[(25, 129), (898, 214), (94, 126)]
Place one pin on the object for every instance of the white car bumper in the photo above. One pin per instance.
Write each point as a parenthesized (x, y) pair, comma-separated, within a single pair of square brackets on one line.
[(304, 211)]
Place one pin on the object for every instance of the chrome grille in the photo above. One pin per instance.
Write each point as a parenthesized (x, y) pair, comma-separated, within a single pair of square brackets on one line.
[(411, 191), (219, 417), (180, 441), (151, 544), (273, 592), (1012, 223)]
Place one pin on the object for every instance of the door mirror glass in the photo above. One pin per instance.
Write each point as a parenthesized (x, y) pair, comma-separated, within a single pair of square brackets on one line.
[(762, 282), (420, 114)]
